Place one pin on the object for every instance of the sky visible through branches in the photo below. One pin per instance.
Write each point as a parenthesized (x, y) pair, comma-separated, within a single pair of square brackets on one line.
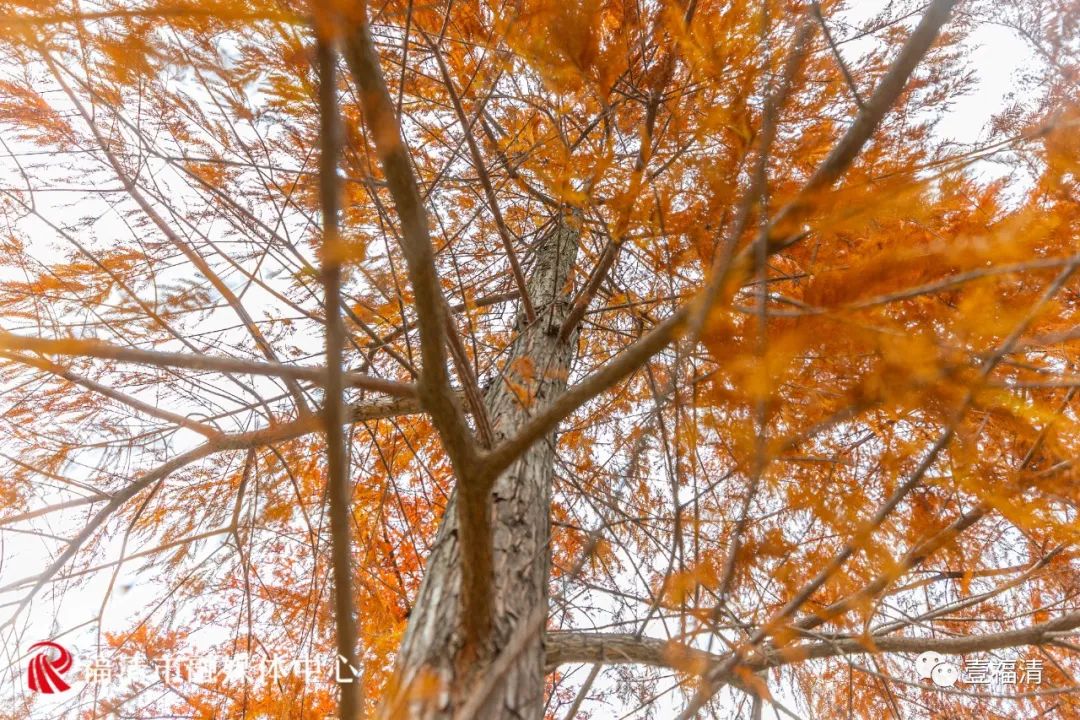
[(892, 345)]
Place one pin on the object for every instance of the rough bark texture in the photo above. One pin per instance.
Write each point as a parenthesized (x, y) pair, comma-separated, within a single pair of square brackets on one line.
[(534, 373)]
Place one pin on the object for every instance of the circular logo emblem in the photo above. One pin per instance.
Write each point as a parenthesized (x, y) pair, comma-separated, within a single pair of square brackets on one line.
[(46, 669), (933, 666)]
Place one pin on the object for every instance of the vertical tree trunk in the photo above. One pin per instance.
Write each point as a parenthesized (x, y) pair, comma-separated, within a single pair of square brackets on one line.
[(535, 372)]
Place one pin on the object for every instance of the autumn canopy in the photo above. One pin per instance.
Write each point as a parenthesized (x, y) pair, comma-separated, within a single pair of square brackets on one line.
[(540, 359)]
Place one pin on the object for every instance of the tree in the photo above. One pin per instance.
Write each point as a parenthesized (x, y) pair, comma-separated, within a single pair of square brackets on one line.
[(480, 344)]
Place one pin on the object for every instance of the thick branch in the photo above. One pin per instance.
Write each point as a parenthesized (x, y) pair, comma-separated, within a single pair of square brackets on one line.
[(569, 647), (834, 165), (338, 485), (566, 648), (1040, 634), (597, 382), (92, 348), (434, 385)]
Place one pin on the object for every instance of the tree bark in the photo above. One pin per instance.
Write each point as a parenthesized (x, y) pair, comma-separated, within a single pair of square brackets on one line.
[(433, 682)]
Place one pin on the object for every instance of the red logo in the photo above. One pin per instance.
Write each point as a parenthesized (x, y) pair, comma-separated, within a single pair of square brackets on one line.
[(44, 674)]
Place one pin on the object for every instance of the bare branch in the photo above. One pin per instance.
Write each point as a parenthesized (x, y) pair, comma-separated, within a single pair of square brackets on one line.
[(569, 647), (222, 443), (338, 481), (485, 183), (434, 384), (174, 239), (111, 393), (615, 370), (74, 347)]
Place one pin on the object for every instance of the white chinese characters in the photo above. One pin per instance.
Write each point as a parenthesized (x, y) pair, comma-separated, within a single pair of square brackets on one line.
[(205, 669), (944, 673)]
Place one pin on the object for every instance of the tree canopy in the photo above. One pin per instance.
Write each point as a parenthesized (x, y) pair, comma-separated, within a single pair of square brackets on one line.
[(733, 382)]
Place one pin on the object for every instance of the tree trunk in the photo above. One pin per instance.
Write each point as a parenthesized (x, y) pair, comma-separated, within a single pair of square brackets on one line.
[(535, 372)]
